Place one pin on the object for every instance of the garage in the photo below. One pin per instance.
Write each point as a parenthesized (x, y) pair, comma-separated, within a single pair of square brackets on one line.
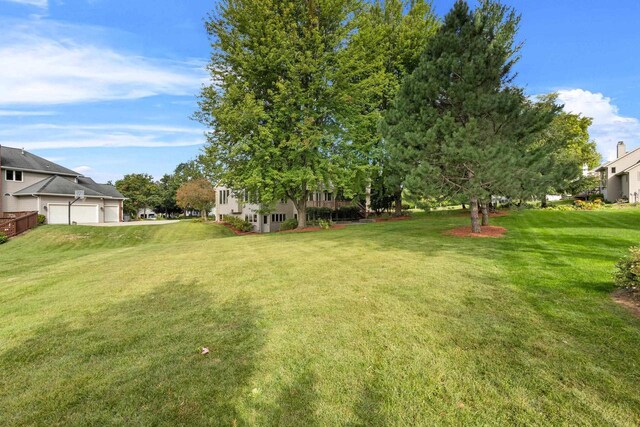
[(111, 214), (80, 214)]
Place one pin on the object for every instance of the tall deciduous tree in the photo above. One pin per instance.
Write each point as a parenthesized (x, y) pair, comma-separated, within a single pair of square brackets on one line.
[(197, 194), (390, 36), (140, 190), (273, 107), (571, 148), (459, 125), (169, 183)]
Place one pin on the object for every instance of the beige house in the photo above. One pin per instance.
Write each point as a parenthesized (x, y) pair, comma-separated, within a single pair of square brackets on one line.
[(31, 183), (620, 178), (240, 205)]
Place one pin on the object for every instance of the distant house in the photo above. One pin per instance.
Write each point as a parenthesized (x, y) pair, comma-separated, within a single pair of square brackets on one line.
[(31, 183), (620, 178), (147, 213), (241, 206)]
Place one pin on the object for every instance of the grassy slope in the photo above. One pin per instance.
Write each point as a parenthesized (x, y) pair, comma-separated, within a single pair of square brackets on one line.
[(371, 325)]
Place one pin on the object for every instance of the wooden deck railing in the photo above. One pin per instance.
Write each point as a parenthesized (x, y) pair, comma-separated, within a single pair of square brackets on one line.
[(14, 223), (332, 204)]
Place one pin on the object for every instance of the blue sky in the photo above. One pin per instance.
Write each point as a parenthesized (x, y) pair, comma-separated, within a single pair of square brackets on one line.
[(107, 86)]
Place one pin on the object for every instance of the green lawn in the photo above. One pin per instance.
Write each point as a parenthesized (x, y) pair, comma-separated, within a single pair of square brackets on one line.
[(378, 324)]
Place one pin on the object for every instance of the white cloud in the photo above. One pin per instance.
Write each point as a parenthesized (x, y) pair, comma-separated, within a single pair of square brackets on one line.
[(37, 3), (41, 63), (82, 169), (18, 113), (48, 136), (609, 126)]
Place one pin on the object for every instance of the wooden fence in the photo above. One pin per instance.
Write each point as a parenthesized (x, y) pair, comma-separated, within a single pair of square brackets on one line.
[(14, 223)]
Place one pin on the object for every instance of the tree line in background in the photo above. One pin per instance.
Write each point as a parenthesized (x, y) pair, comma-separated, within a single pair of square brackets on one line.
[(352, 94), (186, 191)]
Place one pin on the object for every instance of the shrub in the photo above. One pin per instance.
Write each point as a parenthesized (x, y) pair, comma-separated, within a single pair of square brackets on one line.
[(319, 213), (42, 220), (627, 274), (347, 213), (3, 238), (325, 224), (593, 197), (588, 206), (237, 223), (289, 224)]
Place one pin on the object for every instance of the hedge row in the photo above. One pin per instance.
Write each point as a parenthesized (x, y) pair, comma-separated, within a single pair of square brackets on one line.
[(343, 213)]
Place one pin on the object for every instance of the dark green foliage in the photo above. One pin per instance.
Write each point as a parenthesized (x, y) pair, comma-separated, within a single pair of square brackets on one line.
[(319, 213), (141, 192), (627, 274), (238, 223), (346, 213), (170, 183), (3, 238), (459, 126), (289, 224), (42, 219), (390, 36)]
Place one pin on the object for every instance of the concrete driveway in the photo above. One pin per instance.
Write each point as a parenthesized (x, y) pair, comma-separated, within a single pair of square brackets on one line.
[(133, 223)]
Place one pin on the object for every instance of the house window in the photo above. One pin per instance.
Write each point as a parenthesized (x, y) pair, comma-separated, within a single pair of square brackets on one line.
[(328, 196), (266, 219), (255, 217), (13, 176), (223, 197), (613, 170), (282, 201), (278, 217)]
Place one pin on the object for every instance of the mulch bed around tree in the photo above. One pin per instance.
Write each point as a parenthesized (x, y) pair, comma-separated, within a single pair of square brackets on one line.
[(392, 218), (628, 299), (488, 231), (308, 229)]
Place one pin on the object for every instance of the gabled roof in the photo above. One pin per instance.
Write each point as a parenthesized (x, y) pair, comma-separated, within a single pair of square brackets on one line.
[(56, 185), (612, 162), (627, 170), (14, 158), (106, 189)]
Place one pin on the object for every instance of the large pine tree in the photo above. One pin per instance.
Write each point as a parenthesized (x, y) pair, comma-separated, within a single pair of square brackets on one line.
[(459, 125), (273, 106)]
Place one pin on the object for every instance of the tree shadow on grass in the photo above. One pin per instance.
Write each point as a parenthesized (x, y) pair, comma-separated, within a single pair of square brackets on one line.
[(295, 405), (136, 362)]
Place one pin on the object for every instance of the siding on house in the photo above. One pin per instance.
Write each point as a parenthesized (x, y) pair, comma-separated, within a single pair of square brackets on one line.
[(45, 183)]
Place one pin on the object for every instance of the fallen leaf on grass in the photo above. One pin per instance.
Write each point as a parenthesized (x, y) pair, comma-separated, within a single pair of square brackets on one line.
[(205, 350)]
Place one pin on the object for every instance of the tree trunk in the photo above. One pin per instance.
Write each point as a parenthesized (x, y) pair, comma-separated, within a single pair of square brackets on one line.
[(475, 223), (464, 207), (398, 202), (301, 206), (543, 201), (485, 214)]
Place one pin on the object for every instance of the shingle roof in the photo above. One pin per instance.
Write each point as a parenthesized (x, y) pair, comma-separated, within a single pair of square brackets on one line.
[(62, 186), (106, 189), (14, 158)]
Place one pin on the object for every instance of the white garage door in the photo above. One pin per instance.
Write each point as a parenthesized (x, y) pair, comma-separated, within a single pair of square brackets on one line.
[(111, 214), (81, 214)]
